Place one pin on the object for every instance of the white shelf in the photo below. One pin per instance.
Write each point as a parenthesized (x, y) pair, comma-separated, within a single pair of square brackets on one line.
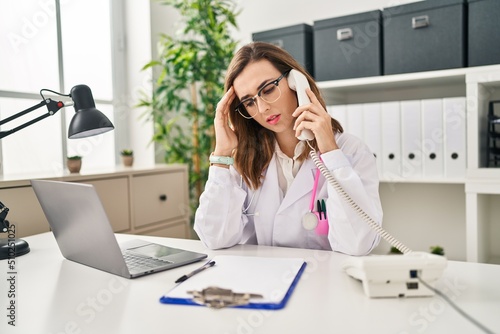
[(485, 186), (424, 180), (398, 80), (442, 77), (407, 86), (473, 202), (483, 173)]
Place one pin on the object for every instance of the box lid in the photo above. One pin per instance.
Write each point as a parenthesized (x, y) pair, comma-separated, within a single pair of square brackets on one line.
[(348, 19), (421, 6), (294, 29)]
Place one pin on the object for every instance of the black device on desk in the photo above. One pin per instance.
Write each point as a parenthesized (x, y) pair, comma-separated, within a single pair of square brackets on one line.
[(10, 247)]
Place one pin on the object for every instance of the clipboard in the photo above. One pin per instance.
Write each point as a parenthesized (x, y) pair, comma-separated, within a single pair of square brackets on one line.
[(273, 278)]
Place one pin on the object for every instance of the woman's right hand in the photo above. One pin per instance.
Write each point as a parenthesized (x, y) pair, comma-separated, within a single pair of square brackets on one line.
[(225, 138)]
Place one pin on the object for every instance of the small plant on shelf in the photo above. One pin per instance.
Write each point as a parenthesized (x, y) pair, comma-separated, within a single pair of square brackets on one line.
[(74, 163), (127, 157), (437, 250), (394, 250), (127, 152)]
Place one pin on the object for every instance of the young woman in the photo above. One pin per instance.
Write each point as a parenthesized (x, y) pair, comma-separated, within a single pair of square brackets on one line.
[(262, 180)]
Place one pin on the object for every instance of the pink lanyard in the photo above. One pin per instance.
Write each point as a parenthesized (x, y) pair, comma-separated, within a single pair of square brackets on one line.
[(315, 188)]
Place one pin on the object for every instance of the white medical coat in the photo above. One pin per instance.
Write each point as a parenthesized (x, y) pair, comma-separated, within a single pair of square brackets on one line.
[(230, 213)]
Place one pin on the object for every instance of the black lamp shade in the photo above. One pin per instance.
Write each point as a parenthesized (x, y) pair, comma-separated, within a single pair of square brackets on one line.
[(88, 121)]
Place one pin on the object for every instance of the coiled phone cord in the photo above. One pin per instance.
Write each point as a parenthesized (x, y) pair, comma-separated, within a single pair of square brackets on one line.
[(343, 194), (384, 234)]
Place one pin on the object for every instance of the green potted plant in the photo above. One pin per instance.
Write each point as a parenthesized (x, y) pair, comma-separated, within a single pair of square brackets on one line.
[(127, 157), (192, 66), (74, 163), (394, 250), (437, 250)]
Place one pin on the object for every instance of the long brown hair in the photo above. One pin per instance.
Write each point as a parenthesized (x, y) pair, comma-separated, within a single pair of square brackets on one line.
[(255, 143)]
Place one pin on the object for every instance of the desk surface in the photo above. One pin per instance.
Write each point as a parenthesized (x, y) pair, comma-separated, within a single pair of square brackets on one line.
[(54, 295)]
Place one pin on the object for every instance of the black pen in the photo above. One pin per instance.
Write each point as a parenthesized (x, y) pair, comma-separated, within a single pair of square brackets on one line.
[(205, 266), (318, 204)]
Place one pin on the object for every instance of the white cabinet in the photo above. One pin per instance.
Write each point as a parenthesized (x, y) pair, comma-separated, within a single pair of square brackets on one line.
[(461, 214), (149, 201)]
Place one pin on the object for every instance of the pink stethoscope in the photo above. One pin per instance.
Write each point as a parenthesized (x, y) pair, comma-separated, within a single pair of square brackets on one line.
[(315, 220)]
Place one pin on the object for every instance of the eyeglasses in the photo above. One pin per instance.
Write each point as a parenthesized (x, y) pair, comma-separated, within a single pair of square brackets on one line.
[(270, 93)]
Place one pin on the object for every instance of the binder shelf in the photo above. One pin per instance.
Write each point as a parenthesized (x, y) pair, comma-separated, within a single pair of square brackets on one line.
[(395, 113)]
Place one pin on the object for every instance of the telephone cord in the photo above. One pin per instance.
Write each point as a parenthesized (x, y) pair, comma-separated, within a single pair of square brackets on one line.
[(384, 234), (343, 194)]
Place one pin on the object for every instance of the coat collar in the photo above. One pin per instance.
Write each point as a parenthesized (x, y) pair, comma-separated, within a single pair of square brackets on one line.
[(301, 185)]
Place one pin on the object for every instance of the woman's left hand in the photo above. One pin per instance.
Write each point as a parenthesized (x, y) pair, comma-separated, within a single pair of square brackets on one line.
[(314, 117)]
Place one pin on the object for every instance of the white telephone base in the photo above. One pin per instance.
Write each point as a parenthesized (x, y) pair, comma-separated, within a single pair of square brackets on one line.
[(396, 275)]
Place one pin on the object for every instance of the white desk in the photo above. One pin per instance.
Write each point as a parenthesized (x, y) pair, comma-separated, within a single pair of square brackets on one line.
[(55, 295)]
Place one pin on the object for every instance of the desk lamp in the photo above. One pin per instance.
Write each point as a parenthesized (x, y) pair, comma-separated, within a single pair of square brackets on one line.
[(87, 121)]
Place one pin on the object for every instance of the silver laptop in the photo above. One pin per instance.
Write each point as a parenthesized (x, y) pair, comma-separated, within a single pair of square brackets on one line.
[(84, 234)]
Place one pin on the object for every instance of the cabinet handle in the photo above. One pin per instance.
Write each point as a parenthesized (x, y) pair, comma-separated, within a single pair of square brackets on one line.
[(344, 34), (163, 197), (420, 22), (432, 156), (411, 156)]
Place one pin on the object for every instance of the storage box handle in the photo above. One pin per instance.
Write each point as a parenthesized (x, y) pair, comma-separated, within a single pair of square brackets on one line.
[(344, 34), (420, 22)]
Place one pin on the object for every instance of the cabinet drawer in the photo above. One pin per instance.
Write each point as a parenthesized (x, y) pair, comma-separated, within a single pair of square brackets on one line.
[(159, 197), (114, 197), (25, 211), (177, 230)]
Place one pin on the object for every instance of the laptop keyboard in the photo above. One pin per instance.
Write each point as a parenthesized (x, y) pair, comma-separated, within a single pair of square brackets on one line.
[(136, 262)]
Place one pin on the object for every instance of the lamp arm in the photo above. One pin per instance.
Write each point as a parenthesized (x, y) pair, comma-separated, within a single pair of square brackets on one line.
[(52, 106)]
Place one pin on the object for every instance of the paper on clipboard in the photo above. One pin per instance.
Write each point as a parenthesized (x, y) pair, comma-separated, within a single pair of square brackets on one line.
[(273, 278)]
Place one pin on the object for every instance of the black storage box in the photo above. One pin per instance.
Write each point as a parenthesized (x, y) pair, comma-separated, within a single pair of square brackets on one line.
[(425, 36), (296, 39), (484, 32), (348, 46)]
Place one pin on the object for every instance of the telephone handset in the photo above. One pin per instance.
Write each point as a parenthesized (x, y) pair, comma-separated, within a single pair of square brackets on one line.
[(298, 82)]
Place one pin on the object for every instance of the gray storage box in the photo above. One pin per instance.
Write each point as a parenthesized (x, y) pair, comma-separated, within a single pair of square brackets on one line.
[(484, 32), (296, 39), (425, 36), (348, 46)]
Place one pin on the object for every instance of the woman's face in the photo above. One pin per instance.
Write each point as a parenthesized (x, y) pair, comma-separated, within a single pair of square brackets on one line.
[(276, 116)]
